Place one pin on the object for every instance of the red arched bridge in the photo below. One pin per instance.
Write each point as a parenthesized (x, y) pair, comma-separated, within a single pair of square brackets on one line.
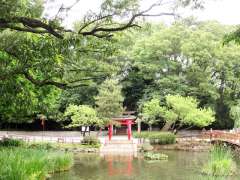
[(222, 137)]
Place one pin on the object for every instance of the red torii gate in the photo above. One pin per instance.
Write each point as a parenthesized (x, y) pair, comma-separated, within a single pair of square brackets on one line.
[(128, 121)]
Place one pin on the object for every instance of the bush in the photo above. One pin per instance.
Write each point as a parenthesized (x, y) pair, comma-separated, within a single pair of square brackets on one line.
[(142, 135), (8, 142), (162, 138), (90, 140), (220, 163), (157, 137)]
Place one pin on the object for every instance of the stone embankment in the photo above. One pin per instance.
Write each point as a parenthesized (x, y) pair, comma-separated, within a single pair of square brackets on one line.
[(186, 144)]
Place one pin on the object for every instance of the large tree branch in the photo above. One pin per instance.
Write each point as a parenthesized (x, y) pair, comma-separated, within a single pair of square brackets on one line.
[(60, 85), (92, 27), (44, 82), (29, 25), (102, 31)]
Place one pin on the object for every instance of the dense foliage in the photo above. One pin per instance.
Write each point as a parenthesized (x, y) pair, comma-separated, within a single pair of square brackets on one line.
[(109, 100), (178, 109), (187, 58), (235, 114), (82, 115), (44, 67)]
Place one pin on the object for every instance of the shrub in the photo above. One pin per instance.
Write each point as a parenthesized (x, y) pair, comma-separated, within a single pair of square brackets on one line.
[(8, 142), (162, 138), (142, 135), (157, 137), (220, 163), (90, 140)]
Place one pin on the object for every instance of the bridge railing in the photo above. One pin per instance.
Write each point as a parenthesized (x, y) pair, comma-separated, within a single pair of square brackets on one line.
[(221, 135)]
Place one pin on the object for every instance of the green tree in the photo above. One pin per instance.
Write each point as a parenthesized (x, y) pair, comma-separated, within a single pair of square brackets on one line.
[(151, 112), (178, 110), (235, 114), (186, 58), (187, 111), (109, 100), (40, 59), (82, 115)]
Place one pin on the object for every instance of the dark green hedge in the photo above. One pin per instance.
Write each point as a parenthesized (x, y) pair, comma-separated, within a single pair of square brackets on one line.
[(90, 140), (157, 137), (8, 142)]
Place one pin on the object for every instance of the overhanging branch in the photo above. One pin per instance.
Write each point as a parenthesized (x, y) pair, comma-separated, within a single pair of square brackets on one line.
[(60, 85)]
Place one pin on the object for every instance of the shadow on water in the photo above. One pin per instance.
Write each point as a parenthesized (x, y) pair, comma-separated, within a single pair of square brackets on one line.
[(180, 166)]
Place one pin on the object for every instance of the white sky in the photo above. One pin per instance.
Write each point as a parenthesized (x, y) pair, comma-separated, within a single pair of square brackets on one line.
[(224, 11)]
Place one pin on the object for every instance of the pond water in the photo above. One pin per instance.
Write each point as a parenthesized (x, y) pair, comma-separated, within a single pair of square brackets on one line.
[(181, 165)]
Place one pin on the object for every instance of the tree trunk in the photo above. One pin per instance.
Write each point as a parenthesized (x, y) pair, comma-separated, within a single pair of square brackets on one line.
[(167, 126), (84, 132), (139, 126), (150, 127)]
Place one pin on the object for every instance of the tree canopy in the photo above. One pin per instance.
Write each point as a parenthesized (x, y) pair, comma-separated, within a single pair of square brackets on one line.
[(45, 67), (82, 115), (178, 109), (109, 100)]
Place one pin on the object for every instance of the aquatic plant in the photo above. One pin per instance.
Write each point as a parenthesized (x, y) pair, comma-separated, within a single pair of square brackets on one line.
[(220, 163), (155, 156), (32, 164)]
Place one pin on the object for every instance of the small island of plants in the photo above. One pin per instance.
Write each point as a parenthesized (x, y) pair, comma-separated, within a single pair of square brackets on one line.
[(221, 162), (155, 156)]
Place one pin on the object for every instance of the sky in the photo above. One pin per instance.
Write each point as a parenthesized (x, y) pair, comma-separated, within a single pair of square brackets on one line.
[(224, 11)]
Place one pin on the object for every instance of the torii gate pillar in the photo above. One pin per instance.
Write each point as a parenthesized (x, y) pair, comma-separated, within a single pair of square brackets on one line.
[(129, 129)]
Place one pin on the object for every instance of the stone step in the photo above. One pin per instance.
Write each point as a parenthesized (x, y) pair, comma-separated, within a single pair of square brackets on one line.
[(118, 145), (117, 150), (119, 142)]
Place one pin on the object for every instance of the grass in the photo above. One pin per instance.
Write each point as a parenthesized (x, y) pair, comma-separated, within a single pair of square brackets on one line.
[(157, 137), (36, 161), (220, 162), (21, 163)]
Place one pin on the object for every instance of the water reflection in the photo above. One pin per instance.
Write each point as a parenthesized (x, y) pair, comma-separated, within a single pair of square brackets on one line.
[(119, 164), (180, 166)]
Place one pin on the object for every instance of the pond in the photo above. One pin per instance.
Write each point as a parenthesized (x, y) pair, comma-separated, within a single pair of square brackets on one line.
[(181, 165)]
